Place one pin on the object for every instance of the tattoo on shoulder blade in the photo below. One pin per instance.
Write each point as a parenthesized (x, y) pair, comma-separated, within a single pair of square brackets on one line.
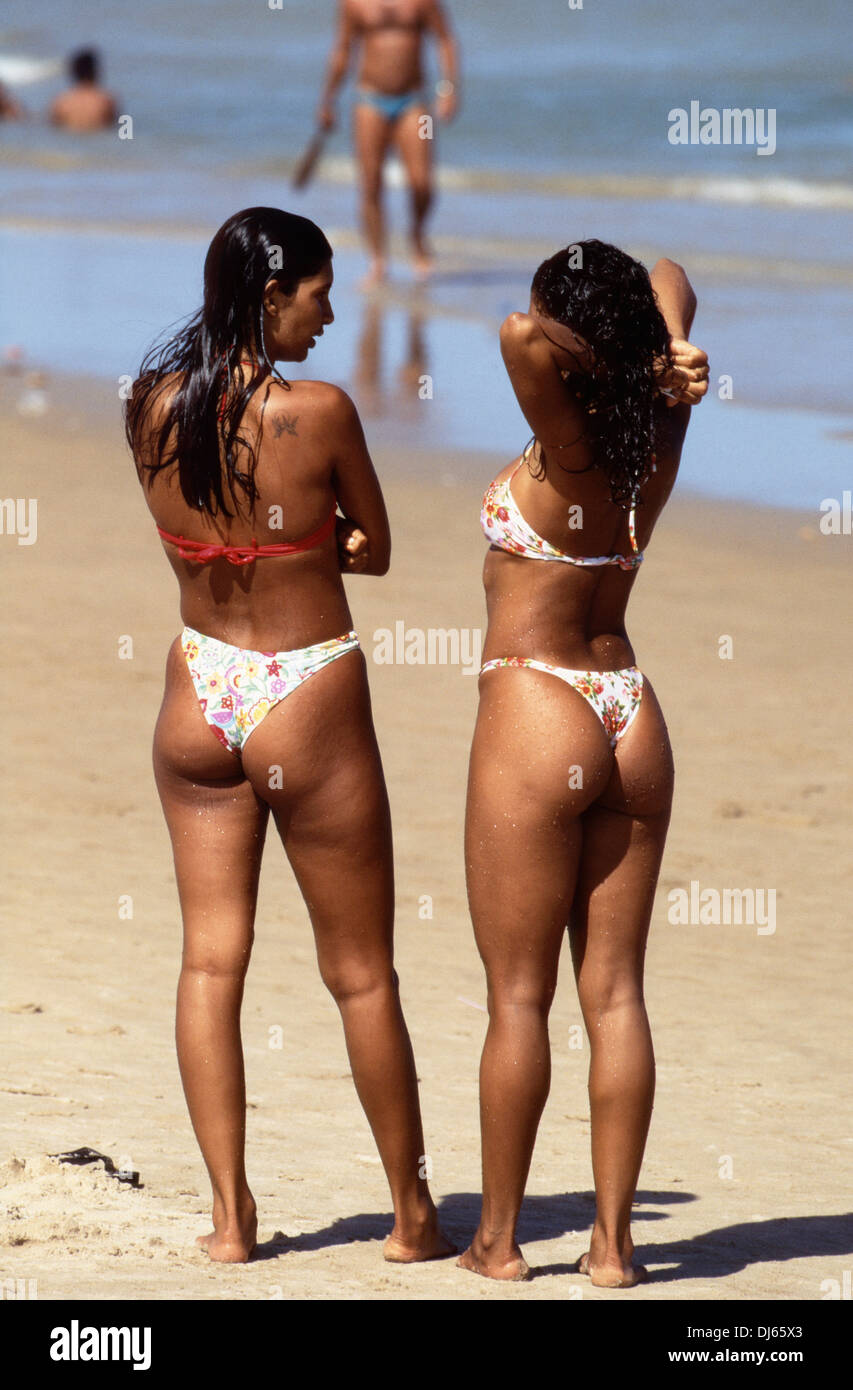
[(284, 424)]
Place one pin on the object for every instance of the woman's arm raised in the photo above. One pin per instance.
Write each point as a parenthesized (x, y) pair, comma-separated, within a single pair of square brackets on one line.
[(675, 296), (687, 380), (533, 362)]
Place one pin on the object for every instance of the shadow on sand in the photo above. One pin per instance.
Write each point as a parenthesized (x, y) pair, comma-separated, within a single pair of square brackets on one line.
[(708, 1255)]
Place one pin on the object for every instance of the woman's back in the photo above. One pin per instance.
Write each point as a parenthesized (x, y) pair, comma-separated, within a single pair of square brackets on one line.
[(575, 613), (300, 438)]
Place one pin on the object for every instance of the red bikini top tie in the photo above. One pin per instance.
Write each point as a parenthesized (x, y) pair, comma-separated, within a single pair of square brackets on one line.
[(202, 552)]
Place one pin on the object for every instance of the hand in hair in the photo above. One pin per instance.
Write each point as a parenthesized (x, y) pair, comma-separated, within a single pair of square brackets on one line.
[(687, 378)]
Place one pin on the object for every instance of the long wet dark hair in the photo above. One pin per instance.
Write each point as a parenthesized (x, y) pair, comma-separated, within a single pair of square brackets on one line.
[(203, 416), (607, 298)]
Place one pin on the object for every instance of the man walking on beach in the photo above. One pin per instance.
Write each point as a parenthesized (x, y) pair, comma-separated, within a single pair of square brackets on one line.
[(391, 105)]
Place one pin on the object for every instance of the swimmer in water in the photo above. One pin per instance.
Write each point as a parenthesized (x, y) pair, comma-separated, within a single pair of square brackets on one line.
[(86, 106)]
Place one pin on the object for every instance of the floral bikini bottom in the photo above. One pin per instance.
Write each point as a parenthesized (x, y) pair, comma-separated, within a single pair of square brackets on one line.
[(237, 687), (614, 695)]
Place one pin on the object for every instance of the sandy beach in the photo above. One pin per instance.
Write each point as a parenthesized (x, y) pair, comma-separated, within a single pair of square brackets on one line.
[(742, 1186)]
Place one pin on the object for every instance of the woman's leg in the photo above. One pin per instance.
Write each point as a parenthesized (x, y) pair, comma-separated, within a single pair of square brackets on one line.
[(526, 793), (217, 825), (332, 815), (623, 840)]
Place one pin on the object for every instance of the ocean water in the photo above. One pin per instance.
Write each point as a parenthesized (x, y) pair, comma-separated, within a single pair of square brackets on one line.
[(546, 89), (562, 134)]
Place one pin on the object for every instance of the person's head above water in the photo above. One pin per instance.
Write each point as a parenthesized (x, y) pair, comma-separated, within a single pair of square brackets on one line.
[(267, 277), (606, 299), (84, 65)]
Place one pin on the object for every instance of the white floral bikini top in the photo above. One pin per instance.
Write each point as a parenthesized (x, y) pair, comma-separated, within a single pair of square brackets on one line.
[(506, 528)]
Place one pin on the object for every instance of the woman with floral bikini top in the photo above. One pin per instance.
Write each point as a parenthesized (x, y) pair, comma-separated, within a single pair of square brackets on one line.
[(570, 781)]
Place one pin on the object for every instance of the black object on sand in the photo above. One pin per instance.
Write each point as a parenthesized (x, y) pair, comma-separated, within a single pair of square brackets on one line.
[(82, 1156)]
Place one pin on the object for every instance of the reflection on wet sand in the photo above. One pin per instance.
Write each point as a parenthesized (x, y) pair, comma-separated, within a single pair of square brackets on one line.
[(395, 393)]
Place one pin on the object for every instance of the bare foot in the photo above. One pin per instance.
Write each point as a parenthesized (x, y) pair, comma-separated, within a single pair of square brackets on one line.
[(227, 1249), (231, 1242), (616, 1274), (422, 265), (374, 277), (426, 1242), (493, 1265)]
